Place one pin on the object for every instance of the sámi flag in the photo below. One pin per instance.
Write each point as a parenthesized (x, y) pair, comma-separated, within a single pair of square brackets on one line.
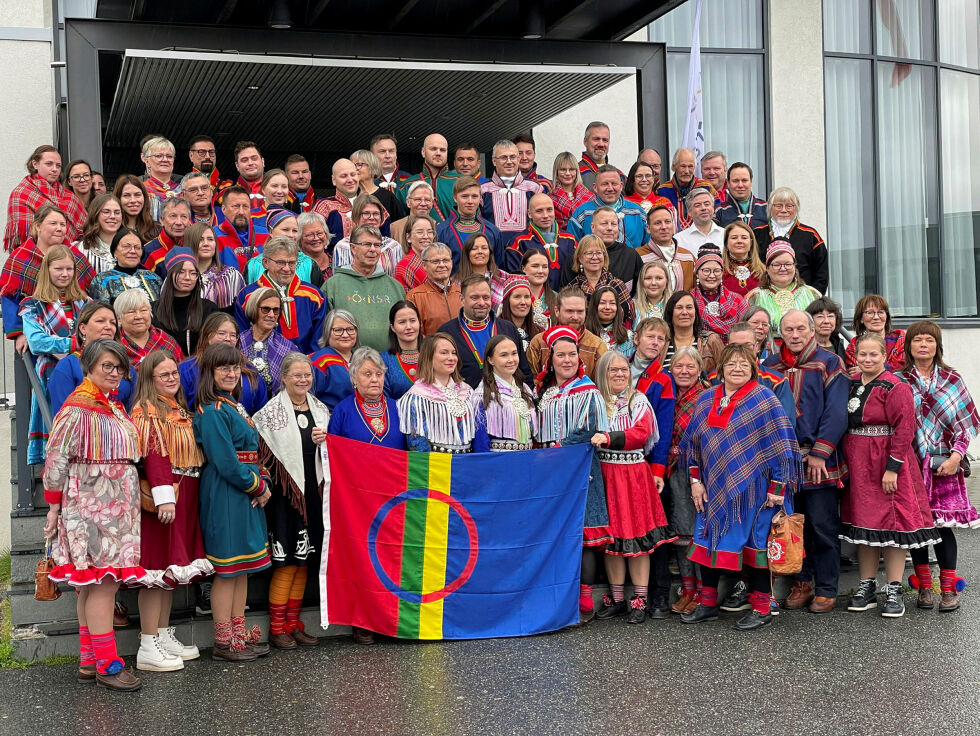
[(438, 546)]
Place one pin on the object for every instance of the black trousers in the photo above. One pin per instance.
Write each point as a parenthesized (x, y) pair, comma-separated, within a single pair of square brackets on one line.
[(821, 510), (945, 552)]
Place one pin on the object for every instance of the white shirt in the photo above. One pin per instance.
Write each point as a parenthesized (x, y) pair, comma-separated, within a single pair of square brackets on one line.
[(693, 239)]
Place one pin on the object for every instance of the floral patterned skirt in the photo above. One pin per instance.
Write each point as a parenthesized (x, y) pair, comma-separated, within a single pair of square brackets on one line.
[(99, 527)]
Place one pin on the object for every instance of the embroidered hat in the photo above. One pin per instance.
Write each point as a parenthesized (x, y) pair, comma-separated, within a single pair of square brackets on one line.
[(552, 335), (707, 254), (177, 256), (778, 248), (515, 282), (275, 215)]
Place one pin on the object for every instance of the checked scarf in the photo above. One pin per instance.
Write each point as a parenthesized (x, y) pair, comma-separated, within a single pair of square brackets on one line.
[(27, 197), (731, 307), (683, 411), (158, 340), (19, 275), (739, 451), (944, 409), (54, 321), (566, 204)]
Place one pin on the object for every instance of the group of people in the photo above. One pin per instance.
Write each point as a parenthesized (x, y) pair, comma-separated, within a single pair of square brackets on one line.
[(199, 338)]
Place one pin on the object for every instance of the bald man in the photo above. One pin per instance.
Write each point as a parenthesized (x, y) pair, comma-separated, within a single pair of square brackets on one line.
[(542, 234), (337, 209), (650, 157), (436, 172), (681, 183)]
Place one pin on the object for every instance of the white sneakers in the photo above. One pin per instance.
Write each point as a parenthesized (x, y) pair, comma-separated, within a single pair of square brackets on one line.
[(168, 639), (154, 658)]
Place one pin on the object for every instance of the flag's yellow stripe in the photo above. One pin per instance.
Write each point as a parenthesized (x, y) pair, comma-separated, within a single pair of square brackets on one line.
[(436, 546)]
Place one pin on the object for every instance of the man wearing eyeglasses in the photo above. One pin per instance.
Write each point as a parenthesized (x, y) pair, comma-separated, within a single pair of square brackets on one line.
[(365, 291), (204, 157), (303, 305), (506, 195), (196, 189), (784, 224), (369, 211), (437, 298), (700, 203)]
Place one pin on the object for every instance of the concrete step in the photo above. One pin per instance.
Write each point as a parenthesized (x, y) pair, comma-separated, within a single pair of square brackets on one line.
[(60, 638), (23, 560)]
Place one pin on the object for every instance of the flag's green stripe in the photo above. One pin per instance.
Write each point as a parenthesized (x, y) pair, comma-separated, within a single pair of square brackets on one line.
[(418, 470), (413, 561)]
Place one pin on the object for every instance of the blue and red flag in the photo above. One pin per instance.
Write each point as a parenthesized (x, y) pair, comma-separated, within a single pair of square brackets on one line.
[(438, 546)]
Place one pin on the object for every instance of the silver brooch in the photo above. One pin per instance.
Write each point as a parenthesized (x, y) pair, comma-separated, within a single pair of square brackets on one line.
[(853, 405), (713, 308), (302, 421)]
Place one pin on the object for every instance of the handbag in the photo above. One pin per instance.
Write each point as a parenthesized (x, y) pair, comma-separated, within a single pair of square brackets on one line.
[(785, 548), (146, 495), (965, 463), (45, 589)]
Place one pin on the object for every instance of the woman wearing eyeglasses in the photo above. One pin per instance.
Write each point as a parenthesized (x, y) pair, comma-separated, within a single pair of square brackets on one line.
[(78, 178), (871, 314), (781, 288), (158, 156), (720, 307), (262, 344), (332, 362)]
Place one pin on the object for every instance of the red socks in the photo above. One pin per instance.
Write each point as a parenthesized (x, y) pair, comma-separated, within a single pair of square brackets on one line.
[(277, 618), (293, 609), (107, 661), (86, 654), (689, 585), (640, 591), (618, 595), (242, 635), (924, 574), (947, 580), (585, 598), (222, 634), (709, 596), (761, 602)]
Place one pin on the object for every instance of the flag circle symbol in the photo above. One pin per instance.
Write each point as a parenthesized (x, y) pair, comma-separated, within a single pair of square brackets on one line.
[(449, 588)]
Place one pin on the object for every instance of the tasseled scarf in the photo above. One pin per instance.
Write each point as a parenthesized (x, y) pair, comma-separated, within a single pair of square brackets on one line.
[(578, 404), (171, 436), (422, 411), (501, 417), (94, 428)]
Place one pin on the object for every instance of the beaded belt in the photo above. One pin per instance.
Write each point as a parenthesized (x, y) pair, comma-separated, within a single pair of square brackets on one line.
[(187, 472), (452, 449), (618, 457), (248, 457), (873, 430), (506, 445), (550, 444)]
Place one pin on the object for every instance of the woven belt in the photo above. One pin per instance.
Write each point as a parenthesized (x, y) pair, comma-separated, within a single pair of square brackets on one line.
[(506, 445), (550, 444), (617, 457), (248, 457), (452, 449), (187, 472), (873, 430)]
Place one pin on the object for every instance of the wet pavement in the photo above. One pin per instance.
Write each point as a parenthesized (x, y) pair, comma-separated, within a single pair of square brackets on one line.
[(842, 673)]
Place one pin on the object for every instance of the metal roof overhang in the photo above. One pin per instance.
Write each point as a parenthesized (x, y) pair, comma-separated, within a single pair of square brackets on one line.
[(334, 104)]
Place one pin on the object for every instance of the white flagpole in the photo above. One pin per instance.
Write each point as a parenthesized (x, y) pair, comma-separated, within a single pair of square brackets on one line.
[(694, 123)]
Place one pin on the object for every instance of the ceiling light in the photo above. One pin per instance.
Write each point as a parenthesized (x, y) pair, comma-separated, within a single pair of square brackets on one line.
[(532, 20), (280, 17)]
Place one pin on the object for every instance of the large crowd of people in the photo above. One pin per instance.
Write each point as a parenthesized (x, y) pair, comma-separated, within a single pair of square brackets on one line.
[(198, 338)]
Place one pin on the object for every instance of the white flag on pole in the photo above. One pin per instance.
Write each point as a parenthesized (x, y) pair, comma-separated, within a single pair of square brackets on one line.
[(694, 123)]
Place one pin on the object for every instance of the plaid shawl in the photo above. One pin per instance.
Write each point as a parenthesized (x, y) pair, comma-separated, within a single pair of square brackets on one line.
[(19, 275), (159, 340), (54, 321), (894, 351), (607, 279), (740, 452), (566, 204), (27, 197), (944, 409), (410, 271), (683, 411), (732, 307)]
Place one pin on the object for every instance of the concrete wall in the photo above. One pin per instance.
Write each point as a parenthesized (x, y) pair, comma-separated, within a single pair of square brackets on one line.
[(795, 46), (615, 106), (27, 118)]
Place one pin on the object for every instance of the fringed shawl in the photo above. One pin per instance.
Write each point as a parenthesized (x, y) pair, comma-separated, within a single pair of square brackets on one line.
[(423, 411), (171, 436), (626, 413), (739, 451), (501, 419), (281, 445), (944, 411), (575, 405), (92, 428)]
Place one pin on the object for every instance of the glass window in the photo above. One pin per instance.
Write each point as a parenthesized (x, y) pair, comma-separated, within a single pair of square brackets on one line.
[(847, 26), (959, 33), (904, 29), (733, 102), (850, 199), (725, 24), (961, 191), (907, 175)]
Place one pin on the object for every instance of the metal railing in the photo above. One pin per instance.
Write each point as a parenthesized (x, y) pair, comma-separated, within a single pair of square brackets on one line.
[(26, 384)]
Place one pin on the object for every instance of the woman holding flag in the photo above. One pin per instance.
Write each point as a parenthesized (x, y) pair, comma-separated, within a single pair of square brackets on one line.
[(504, 405)]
